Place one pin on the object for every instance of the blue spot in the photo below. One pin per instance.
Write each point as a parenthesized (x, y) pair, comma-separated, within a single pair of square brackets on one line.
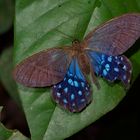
[(115, 78), (109, 58), (104, 72), (107, 66), (118, 62), (70, 82), (124, 77), (72, 97), (83, 84), (66, 90), (71, 74), (73, 104), (97, 70), (82, 100), (64, 78), (122, 58), (59, 86), (65, 101), (76, 83), (58, 94), (116, 69), (124, 67), (86, 88), (103, 56), (102, 61), (80, 92)]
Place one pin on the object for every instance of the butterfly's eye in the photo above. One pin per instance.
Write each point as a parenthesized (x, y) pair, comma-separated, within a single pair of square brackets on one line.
[(75, 42)]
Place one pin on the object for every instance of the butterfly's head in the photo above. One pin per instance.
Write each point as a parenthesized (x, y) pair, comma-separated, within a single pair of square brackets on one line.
[(76, 45), (75, 42)]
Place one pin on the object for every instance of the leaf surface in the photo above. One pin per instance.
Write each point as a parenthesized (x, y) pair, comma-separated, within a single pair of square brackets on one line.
[(6, 134), (46, 24), (6, 67)]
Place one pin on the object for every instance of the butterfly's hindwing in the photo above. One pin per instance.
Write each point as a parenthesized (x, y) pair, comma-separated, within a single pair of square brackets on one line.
[(111, 67), (73, 93)]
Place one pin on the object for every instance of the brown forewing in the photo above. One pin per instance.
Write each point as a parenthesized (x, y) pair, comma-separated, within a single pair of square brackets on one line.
[(115, 36), (45, 68)]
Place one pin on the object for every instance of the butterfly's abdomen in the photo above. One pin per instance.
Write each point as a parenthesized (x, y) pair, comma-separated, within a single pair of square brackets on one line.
[(84, 63)]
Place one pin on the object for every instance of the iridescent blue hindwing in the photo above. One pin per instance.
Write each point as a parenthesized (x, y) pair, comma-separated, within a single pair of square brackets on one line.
[(111, 67), (73, 93)]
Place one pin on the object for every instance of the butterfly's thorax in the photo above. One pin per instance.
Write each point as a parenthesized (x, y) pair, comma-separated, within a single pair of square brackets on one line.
[(76, 47), (77, 50)]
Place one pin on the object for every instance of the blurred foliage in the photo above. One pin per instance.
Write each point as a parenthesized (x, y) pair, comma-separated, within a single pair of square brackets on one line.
[(6, 14), (6, 67), (6, 134)]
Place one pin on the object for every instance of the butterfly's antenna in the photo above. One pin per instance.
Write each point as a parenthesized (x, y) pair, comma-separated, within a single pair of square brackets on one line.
[(65, 35)]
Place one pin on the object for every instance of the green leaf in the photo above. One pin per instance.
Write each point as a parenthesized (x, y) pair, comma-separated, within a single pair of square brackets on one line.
[(3, 131), (6, 67), (46, 24), (6, 134), (6, 14)]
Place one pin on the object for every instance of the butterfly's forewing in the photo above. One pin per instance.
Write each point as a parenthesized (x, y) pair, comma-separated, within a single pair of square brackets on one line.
[(45, 68), (115, 36), (111, 67), (73, 93)]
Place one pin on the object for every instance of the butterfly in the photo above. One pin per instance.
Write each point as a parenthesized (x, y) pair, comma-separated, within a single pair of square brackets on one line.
[(99, 54)]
